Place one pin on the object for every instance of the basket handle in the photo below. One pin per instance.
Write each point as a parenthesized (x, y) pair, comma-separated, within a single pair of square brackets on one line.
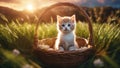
[(90, 41)]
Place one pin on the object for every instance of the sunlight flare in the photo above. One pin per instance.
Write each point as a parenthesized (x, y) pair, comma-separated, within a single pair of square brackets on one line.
[(30, 7)]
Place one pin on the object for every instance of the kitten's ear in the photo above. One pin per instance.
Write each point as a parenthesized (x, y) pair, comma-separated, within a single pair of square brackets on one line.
[(73, 18), (58, 17)]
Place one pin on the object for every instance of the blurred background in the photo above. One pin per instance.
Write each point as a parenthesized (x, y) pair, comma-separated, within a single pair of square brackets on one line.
[(18, 20), (99, 10)]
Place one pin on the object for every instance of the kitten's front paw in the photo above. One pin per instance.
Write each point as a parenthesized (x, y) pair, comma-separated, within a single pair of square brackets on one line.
[(72, 48), (61, 49)]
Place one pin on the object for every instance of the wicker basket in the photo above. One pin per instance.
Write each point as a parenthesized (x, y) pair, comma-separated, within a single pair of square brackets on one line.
[(64, 59)]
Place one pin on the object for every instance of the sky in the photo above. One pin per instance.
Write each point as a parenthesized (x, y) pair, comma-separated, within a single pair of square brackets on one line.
[(23, 4)]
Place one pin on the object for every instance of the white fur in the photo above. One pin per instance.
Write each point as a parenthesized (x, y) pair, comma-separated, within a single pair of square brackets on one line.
[(69, 39)]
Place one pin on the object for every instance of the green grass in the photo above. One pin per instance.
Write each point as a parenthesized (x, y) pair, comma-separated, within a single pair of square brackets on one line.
[(20, 36)]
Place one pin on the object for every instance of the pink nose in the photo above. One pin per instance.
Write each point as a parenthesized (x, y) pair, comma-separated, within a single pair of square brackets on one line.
[(65, 29)]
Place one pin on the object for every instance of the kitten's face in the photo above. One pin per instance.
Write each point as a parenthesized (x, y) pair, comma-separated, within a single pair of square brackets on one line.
[(66, 24)]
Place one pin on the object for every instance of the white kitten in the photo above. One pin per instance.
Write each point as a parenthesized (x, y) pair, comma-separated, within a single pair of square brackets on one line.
[(66, 39)]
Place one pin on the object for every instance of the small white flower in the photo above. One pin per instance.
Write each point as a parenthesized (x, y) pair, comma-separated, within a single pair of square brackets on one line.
[(16, 52), (98, 63), (27, 66)]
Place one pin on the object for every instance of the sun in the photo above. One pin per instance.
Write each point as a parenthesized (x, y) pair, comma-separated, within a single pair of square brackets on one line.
[(30, 7)]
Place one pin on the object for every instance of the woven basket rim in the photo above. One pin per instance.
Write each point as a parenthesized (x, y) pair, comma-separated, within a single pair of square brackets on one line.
[(63, 52)]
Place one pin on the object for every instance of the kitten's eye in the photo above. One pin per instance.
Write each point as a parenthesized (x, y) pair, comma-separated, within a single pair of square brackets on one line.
[(68, 24), (63, 25)]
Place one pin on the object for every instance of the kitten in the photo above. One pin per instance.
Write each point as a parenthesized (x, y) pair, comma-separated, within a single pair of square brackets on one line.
[(66, 39)]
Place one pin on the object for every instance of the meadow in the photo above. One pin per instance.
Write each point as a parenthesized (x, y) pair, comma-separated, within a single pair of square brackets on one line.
[(16, 41)]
